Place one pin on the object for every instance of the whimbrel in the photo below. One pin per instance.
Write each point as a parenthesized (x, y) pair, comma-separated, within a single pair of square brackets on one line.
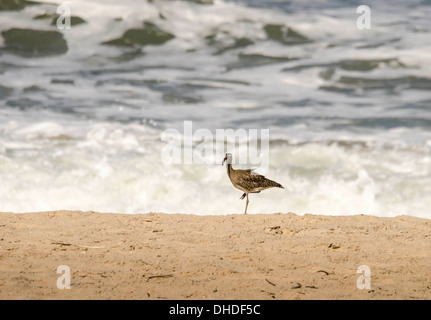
[(247, 180)]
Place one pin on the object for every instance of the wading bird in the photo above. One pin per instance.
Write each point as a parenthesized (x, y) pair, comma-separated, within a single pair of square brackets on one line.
[(247, 180)]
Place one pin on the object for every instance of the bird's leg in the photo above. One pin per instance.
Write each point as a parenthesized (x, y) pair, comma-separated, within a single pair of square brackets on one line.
[(243, 195), (246, 205)]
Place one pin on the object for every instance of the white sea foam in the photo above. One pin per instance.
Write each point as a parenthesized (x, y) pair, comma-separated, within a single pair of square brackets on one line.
[(114, 168)]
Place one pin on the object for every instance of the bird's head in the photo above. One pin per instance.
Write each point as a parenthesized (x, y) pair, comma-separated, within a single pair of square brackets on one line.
[(227, 158)]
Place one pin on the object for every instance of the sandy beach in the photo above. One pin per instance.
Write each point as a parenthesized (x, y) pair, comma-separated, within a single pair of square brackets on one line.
[(179, 256)]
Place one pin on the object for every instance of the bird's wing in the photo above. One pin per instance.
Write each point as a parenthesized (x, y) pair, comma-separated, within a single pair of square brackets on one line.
[(256, 182)]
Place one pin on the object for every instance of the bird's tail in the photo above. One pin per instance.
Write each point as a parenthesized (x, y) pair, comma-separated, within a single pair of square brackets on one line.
[(275, 184)]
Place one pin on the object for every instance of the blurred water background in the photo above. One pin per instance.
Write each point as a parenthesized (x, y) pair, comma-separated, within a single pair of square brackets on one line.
[(82, 110)]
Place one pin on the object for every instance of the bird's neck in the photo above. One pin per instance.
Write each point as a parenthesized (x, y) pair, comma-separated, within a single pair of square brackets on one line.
[(229, 169)]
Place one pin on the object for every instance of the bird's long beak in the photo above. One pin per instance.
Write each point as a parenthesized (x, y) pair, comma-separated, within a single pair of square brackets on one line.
[(225, 158)]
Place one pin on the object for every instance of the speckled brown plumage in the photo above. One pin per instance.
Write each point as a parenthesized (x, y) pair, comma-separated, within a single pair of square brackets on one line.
[(247, 180)]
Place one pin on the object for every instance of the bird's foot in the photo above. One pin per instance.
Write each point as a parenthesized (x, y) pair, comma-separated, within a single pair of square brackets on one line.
[(243, 196)]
